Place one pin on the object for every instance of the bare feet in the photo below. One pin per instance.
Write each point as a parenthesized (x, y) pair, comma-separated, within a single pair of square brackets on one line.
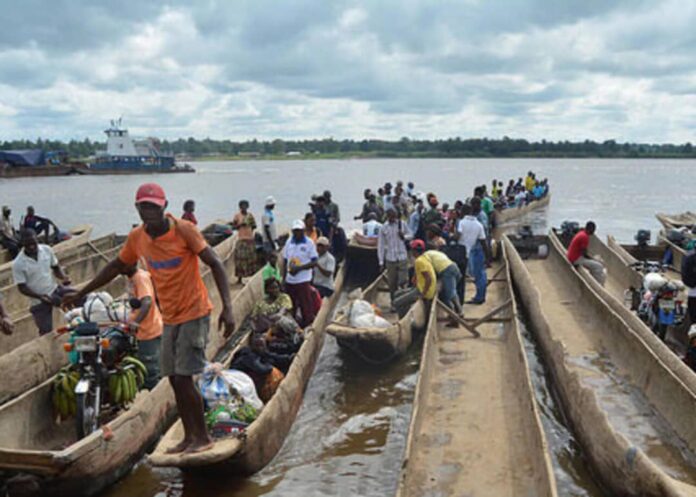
[(201, 446), (180, 447)]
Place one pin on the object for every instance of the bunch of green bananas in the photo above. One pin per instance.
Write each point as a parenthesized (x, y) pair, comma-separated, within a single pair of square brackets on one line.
[(63, 392), (126, 381)]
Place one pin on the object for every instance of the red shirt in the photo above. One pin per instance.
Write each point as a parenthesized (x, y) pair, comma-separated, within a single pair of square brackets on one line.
[(189, 216), (578, 246)]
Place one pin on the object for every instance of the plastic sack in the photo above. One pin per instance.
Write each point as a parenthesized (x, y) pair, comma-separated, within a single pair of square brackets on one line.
[(358, 309), (218, 386), (362, 315), (244, 386), (654, 281)]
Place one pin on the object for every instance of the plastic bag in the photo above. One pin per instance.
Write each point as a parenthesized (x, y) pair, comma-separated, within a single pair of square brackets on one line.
[(359, 311), (219, 386), (244, 386)]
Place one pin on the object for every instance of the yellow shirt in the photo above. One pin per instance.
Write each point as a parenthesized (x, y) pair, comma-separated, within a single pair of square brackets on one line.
[(423, 265), (438, 259), (529, 183)]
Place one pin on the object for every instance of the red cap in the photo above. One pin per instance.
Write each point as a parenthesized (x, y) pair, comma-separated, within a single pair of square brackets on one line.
[(152, 193), (418, 245)]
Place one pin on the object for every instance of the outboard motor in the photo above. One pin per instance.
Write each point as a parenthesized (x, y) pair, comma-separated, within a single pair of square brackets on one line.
[(676, 237), (642, 237), (568, 230)]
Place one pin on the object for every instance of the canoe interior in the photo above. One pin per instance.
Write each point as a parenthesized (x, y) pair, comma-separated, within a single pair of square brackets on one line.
[(266, 434), (615, 390), (475, 427), (378, 345)]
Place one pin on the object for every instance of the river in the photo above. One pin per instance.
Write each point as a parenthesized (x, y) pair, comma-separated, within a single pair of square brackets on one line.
[(349, 436)]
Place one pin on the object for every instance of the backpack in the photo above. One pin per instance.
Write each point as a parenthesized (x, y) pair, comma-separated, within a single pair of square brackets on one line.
[(688, 270)]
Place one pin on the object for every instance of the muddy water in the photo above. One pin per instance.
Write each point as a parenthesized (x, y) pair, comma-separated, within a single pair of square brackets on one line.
[(348, 438)]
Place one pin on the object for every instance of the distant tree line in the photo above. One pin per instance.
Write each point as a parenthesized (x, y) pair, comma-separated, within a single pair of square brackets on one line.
[(405, 147)]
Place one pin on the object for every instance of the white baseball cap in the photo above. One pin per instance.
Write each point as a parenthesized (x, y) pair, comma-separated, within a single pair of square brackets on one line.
[(270, 201), (692, 331), (298, 224)]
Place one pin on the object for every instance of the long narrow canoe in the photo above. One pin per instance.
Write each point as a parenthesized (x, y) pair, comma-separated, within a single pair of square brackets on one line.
[(32, 443), (40, 357), (629, 410), (80, 235), (18, 305), (379, 345), (264, 437), (675, 221), (514, 213), (73, 253), (620, 277), (475, 427)]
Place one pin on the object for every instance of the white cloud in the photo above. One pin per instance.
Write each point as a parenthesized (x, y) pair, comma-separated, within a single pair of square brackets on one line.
[(596, 69)]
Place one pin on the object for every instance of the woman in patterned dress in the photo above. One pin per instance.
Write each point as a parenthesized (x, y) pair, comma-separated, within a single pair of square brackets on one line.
[(245, 257)]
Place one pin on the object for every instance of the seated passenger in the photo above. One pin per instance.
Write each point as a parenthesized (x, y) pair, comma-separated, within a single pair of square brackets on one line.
[(578, 256), (255, 361), (284, 336), (274, 302)]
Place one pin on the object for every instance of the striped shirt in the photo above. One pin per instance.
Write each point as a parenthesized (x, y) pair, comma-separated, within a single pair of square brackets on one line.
[(390, 246)]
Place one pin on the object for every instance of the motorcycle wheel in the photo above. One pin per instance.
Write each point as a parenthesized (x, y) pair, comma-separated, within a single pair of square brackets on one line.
[(86, 419)]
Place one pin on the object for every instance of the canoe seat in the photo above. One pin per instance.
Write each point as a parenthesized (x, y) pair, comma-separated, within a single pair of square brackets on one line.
[(87, 329)]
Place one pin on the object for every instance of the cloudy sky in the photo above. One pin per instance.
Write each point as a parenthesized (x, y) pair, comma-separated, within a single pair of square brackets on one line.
[(240, 69)]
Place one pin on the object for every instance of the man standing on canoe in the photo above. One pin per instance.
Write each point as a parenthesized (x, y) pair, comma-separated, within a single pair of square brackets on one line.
[(391, 251), (472, 234), (300, 256), (34, 271), (171, 248), (578, 256)]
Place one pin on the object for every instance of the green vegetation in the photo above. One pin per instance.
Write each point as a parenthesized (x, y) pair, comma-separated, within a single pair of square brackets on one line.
[(330, 148)]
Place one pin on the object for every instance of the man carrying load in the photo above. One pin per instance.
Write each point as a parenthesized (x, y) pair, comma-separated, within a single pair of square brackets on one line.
[(171, 248), (578, 256)]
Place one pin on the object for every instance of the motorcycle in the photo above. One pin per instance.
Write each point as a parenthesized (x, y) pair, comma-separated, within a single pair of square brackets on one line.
[(657, 302), (95, 350)]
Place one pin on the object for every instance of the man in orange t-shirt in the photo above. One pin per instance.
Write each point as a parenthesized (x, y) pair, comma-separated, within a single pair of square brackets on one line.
[(171, 248), (148, 319)]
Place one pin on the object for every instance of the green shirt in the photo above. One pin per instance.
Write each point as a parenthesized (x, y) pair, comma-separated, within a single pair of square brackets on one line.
[(487, 205), (269, 271)]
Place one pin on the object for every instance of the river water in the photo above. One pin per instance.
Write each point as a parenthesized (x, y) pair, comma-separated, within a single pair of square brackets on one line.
[(349, 436)]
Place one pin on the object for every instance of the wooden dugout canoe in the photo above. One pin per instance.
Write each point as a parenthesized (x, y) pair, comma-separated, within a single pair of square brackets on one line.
[(675, 221), (620, 277), (71, 254), (514, 213), (80, 235), (628, 409), (31, 442), (264, 437), (40, 357), (379, 345), (18, 305), (475, 426)]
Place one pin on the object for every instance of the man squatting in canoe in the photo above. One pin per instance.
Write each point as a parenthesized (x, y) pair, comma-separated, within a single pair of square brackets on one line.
[(171, 248)]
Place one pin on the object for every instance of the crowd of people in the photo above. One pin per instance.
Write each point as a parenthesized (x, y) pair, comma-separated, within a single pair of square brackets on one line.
[(445, 241), (44, 228)]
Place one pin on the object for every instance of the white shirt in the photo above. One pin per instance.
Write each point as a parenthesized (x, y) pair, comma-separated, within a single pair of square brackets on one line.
[(470, 230), (371, 228), (299, 254), (36, 274), (268, 219), (327, 262)]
